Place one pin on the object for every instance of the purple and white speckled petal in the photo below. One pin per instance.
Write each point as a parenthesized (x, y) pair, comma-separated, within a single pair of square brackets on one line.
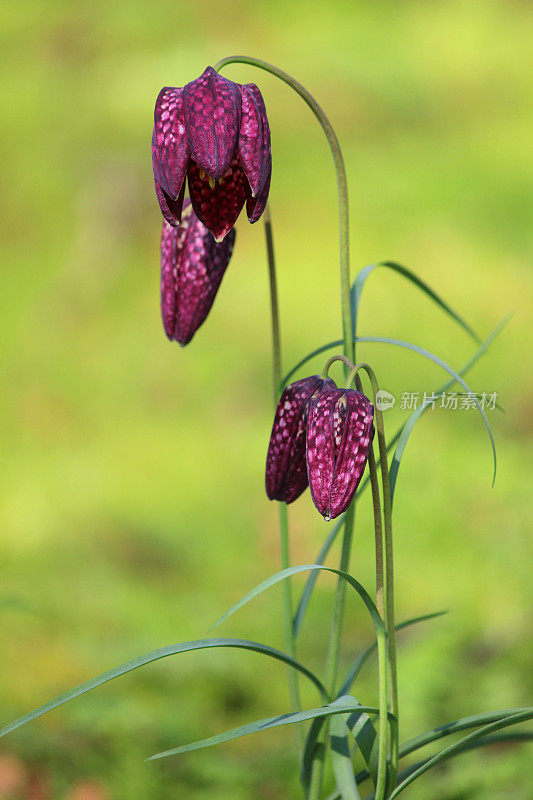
[(212, 113), (339, 435), (170, 150), (202, 267), (254, 138), (172, 240), (286, 472), (192, 268), (320, 449)]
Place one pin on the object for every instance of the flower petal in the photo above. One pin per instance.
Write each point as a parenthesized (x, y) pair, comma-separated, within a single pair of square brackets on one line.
[(171, 209), (212, 111), (192, 268), (254, 138), (339, 434), (218, 206), (320, 448), (286, 472), (202, 267), (172, 239), (170, 150), (357, 434), (256, 205)]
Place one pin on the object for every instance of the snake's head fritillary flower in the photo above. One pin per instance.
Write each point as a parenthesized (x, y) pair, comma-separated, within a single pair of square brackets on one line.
[(192, 267), (286, 470), (339, 434), (214, 132)]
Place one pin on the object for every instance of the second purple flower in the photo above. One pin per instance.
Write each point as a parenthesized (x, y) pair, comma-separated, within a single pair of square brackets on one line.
[(192, 268)]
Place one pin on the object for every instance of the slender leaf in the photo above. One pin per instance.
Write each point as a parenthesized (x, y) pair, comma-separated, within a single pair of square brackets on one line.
[(311, 580), (341, 758), (156, 655), (362, 276), (417, 413), (330, 709), (311, 751), (287, 573), (457, 746), (313, 577), (464, 723), (360, 661), (367, 741), (495, 739)]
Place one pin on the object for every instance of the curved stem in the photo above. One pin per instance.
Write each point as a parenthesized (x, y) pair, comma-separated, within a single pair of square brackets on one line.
[(342, 184), (349, 352), (285, 559), (346, 361)]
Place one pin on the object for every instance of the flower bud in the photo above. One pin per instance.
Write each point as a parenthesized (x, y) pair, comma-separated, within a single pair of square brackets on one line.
[(192, 268), (286, 471), (339, 436)]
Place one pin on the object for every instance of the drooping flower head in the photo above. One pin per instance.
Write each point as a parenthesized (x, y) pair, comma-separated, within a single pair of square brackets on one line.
[(339, 435), (192, 267), (286, 470), (214, 132)]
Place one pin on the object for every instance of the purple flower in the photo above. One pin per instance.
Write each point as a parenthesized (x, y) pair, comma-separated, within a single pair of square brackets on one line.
[(339, 435), (286, 470), (192, 267), (216, 133)]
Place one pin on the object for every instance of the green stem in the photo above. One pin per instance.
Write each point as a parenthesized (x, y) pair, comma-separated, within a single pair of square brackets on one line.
[(274, 308), (285, 559), (342, 185), (349, 352), (384, 553)]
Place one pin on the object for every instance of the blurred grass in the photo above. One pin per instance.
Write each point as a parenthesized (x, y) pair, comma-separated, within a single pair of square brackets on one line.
[(132, 508)]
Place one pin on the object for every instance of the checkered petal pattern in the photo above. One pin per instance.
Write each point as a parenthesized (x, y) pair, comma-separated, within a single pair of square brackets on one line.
[(192, 268), (286, 470), (216, 133), (170, 151), (339, 434), (254, 138), (212, 110)]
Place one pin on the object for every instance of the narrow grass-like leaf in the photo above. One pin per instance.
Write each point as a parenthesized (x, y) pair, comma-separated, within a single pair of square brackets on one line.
[(362, 276), (341, 758), (417, 413), (486, 741), (515, 719), (156, 655), (311, 580), (311, 751), (354, 670), (313, 577), (348, 704), (366, 738), (464, 723), (287, 573), (363, 731)]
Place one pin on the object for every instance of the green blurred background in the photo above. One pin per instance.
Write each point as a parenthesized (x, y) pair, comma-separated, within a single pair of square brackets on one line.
[(133, 511)]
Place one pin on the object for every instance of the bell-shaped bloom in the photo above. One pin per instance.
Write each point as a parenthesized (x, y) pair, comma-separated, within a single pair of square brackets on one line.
[(286, 470), (192, 267), (339, 435), (214, 132)]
